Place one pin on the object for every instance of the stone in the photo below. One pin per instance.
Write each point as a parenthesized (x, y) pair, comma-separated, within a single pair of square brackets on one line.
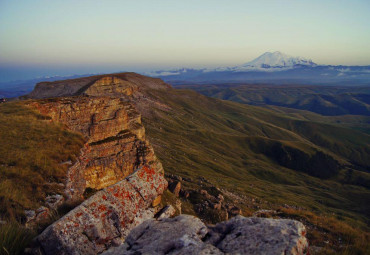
[(106, 217), (178, 205), (156, 201), (203, 192), (166, 212), (186, 234), (220, 197), (175, 188), (234, 211), (30, 215), (54, 201), (265, 213), (216, 206), (242, 235), (38, 216), (180, 235)]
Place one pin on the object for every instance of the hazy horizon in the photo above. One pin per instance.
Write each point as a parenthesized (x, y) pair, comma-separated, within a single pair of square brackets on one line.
[(41, 38)]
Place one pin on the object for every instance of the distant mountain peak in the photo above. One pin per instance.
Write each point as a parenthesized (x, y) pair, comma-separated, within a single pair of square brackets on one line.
[(278, 59)]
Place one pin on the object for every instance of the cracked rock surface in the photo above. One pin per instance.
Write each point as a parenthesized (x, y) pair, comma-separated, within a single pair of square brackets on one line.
[(186, 234), (106, 218)]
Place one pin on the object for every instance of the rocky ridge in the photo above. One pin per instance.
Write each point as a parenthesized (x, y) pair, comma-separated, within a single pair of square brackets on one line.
[(119, 164), (116, 163), (119, 84)]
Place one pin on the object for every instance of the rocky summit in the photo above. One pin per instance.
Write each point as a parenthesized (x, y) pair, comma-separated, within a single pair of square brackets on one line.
[(120, 182)]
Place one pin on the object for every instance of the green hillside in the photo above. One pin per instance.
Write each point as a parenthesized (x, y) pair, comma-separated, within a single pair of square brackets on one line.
[(330, 100), (237, 146), (309, 167)]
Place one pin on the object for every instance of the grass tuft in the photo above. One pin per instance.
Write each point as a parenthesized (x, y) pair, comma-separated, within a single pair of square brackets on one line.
[(31, 152)]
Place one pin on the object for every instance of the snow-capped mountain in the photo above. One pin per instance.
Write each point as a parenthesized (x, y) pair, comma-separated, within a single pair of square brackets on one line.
[(277, 60), (269, 62), (271, 67)]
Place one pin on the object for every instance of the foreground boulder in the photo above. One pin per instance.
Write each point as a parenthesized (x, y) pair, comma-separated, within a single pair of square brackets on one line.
[(106, 218), (186, 234)]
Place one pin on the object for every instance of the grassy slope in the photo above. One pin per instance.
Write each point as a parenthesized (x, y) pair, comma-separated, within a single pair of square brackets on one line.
[(31, 150), (212, 138), (319, 99), (204, 137)]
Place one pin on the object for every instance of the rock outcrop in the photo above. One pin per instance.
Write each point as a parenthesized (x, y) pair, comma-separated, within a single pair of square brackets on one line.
[(117, 163), (239, 235), (115, 146), (119, 84), (106, 218)]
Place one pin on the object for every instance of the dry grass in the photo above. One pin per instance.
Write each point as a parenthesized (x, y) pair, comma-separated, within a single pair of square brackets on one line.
[(203, 137), (31, 152), (14, 238), (336, 236)]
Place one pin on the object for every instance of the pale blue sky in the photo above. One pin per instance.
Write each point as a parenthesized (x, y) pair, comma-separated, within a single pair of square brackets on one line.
[(92, 36)]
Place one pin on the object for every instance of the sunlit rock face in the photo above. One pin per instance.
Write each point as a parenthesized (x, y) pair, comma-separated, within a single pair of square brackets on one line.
[(110, 86), (115, 137), (117, 162)]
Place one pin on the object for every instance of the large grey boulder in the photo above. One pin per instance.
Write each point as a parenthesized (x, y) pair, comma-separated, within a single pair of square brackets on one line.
[(179, 235), (186, 234), (242, 235)]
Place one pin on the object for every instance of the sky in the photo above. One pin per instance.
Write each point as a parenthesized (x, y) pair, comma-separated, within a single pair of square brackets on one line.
[(39, 37)]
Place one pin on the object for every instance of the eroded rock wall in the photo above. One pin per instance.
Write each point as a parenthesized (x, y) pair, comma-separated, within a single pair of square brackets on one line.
[(115, 146)]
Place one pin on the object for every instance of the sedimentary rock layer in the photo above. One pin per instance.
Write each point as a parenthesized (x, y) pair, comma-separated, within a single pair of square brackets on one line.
[(116, 143)]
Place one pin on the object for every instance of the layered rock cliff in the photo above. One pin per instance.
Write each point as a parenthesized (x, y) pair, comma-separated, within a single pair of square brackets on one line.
[(116, 143), (117, 162)]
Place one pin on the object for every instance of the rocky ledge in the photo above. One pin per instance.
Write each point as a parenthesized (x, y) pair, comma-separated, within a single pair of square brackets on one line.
[(106, 218), (115, 140), (119, 165), (186, 234)]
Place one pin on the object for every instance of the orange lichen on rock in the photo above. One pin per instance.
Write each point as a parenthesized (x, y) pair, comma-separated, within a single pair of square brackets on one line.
[(105, 217)]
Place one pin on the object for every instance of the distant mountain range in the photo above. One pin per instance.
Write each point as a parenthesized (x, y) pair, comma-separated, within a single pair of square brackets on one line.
[(271, 67)]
